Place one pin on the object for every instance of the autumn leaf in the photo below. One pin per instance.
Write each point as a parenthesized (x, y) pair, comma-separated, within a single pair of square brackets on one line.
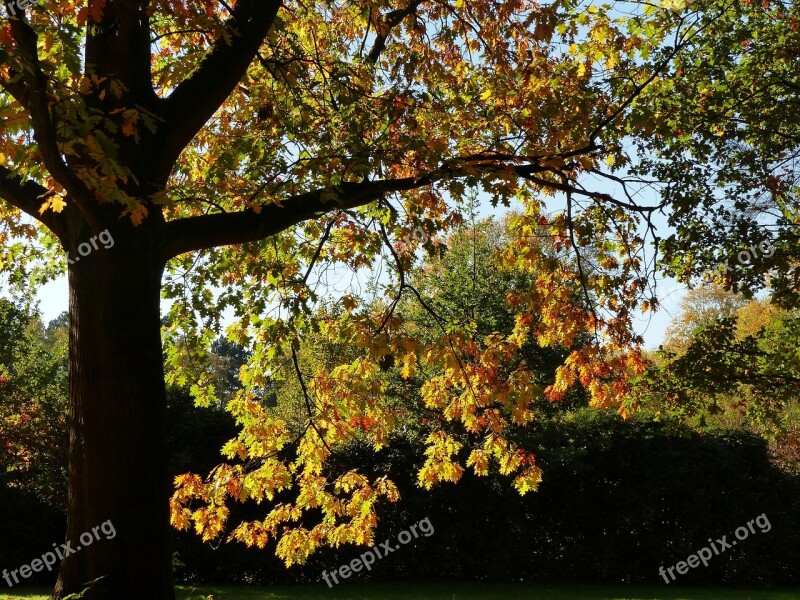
[(55, 203)]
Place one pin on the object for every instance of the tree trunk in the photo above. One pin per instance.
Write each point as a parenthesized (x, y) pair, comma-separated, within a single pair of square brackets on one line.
[(118, 488)]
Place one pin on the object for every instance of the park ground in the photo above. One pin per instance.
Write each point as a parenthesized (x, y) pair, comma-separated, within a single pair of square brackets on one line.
[(451, 591)]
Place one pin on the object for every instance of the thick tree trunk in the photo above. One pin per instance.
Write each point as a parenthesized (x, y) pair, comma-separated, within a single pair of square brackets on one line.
[(118, 488)]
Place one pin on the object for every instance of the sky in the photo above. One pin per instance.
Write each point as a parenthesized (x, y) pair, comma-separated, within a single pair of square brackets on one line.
[(53, 301), (53, 297)]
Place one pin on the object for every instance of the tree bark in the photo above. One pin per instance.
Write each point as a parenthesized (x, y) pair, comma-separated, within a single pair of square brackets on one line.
[(117, 466)]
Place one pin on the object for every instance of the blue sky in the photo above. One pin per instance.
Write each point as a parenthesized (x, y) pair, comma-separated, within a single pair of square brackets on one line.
[(54, 300), (53, 297)]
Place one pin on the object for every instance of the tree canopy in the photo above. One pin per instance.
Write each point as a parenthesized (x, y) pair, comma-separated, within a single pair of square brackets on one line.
[(243, 157)]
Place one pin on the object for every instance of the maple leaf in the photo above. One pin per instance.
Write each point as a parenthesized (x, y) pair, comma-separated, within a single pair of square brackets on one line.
[(128, 128), (137, 215), (96, 10), (56, 203)]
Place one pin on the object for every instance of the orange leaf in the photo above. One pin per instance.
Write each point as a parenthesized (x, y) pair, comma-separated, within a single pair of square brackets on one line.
[(96, 10)]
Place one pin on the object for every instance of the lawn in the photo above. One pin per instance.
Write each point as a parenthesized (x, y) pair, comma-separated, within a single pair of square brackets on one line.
[(457, 591)]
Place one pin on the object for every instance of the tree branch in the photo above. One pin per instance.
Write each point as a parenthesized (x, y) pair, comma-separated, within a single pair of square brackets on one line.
[(28, 197), (35, 100), (599, 196), (386, 23), (220, 229), (194, 101), (579, 261)]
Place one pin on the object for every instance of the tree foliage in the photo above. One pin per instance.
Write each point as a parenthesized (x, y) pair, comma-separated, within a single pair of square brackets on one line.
[(33, 403), (258, 149), (734, 369), (724, 138)]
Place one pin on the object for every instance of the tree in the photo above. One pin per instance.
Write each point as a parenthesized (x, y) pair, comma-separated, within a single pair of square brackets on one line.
[(724, 139), (467, 285), (702, 307), (723, 143), (727, 366), (242, 147), (33, 404)]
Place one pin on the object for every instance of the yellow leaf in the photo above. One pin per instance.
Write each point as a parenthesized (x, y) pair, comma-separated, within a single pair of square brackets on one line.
[(56, 203), (528, 480), (350, 302), (479, 461), (129, 119), (409, 365)]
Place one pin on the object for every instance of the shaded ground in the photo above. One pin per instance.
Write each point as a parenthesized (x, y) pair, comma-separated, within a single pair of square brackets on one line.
[(448, 591)]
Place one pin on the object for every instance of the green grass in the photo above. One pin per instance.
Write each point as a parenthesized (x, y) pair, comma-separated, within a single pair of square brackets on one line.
[(457, 591)]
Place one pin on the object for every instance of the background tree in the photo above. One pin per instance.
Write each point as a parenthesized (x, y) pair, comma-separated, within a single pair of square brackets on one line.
[(33, 404), (468, 286), (723, 139), (244, 146), (728, 369), (701, 307)]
